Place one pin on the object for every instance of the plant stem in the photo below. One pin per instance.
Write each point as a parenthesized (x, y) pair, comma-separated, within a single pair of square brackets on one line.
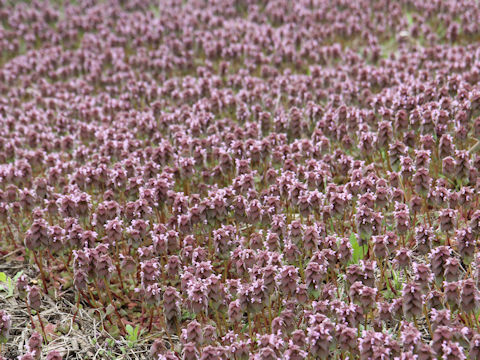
[(415, 321), (42, 274), (30, 314), (425, 313), (119, 274), (109, 294), (77, 306), (164, 325), (250, 329), (43, 328), (476, 320), (152, 311)]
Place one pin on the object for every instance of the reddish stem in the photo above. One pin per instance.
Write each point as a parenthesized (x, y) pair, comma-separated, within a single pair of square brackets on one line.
[(42, 275), (77, 306), (152, 311), (115, 308), (30, 314), (43, 328)]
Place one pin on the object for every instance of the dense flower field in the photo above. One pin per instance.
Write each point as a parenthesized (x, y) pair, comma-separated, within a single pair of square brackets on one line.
[(239, 179)]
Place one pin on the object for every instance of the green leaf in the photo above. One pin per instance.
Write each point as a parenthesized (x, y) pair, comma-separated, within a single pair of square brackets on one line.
[(358, 250), (315, 294), (245, 328), (129, 329), (409, 17), (114, 331), (135, 333), (110, 309), (8, 284), (17, 275), (396, 283), (186, 315), (11, 287)]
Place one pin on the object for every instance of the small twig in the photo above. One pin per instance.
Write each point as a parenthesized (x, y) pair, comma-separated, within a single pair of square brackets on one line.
[(11, 253), (475, 148)]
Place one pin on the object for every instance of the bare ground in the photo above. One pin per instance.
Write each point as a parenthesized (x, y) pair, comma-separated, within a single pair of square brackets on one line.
[(77, 337)]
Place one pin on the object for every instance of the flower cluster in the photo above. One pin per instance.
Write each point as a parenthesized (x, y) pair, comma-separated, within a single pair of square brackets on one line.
[(263, 180)]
